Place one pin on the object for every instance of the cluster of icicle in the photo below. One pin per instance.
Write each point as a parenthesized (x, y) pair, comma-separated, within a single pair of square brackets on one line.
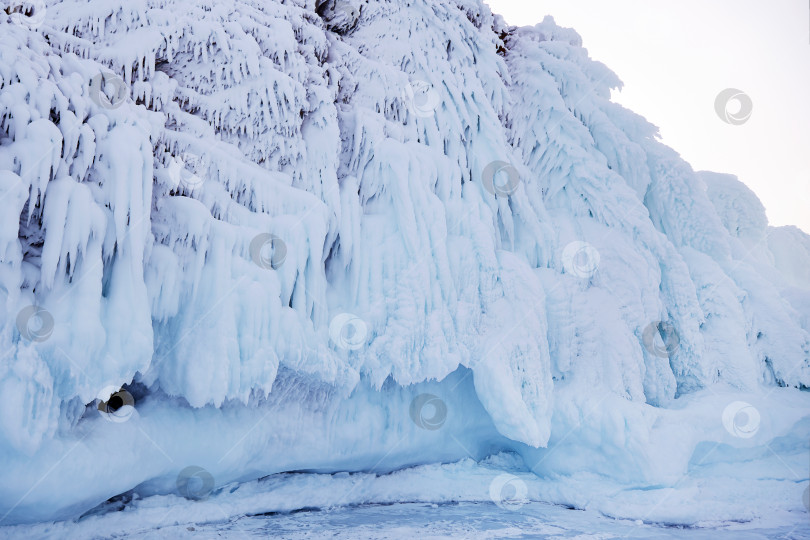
[(146, 145)]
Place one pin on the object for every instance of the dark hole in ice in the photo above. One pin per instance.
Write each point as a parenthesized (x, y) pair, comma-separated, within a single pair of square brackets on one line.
[(115, 403)]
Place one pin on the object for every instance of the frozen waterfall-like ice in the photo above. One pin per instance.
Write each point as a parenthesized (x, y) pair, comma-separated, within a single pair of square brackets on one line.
[(363, 236)]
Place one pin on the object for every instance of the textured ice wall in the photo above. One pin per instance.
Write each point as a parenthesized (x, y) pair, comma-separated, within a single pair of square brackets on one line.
[(197, 196)]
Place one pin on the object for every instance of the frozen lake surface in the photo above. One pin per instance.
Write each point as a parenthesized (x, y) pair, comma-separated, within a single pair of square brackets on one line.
[(463, 520), (462, 500)]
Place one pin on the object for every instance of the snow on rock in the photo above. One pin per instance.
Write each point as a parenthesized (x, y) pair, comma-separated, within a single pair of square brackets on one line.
[(274, 221)]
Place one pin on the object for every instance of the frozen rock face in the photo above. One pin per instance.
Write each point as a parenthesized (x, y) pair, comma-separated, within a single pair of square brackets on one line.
[(305, 211)]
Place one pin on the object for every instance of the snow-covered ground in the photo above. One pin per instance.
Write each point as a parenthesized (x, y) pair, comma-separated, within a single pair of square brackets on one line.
[(494, 499), (241, 238), (470, 521)]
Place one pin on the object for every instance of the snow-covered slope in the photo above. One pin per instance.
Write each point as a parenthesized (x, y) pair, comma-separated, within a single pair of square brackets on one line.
[(278, 224)]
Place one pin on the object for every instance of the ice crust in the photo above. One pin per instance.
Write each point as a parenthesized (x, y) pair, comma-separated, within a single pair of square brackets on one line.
[(360, 134)]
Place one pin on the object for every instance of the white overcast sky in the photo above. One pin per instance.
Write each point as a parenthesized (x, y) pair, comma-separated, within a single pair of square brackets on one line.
[(675, 56)]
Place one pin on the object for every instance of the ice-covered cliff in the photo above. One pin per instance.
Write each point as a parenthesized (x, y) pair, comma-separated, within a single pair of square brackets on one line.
[(354, 235)]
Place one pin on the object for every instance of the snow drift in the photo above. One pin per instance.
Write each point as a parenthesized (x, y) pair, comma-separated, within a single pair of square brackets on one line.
[(278, 225)]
